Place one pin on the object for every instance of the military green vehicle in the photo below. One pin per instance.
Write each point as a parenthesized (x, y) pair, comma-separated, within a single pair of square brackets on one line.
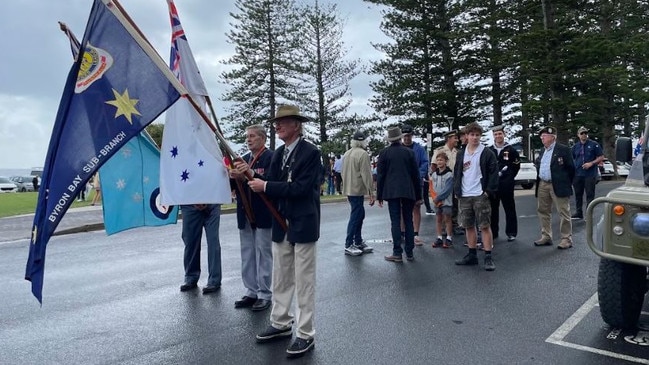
[(621, 238)]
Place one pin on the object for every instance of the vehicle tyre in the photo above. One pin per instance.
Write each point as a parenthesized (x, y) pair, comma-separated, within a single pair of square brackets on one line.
[(527, 186), (621, 288)]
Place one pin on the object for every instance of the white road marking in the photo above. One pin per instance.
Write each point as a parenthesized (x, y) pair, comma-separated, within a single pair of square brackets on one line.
[(567, 326)]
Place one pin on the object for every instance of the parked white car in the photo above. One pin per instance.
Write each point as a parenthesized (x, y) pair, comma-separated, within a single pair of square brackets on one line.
[(526, 176), (7, 186), (606, 169), (623, 169)]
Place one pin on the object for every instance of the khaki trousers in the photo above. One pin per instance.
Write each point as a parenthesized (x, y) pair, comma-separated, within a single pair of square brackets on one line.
[(294, 273), (546, 198)]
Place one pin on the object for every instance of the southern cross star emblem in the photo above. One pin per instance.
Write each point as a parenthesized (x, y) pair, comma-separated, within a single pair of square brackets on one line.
[(137, 197), (145, 180), (121, 184), (201, 163), (184, 176), (174, 152), (125, 105)]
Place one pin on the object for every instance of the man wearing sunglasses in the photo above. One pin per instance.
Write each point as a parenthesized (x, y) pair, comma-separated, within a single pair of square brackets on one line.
[(587, 155)]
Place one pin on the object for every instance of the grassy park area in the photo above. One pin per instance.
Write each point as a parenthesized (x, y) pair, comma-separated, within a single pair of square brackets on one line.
[(25, 203)]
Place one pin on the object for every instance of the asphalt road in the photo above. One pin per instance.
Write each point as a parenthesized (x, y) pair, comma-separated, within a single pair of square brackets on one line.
[(115, 300)]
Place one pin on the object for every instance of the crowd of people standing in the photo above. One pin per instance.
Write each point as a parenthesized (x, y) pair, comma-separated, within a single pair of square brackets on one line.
[(278, 208)]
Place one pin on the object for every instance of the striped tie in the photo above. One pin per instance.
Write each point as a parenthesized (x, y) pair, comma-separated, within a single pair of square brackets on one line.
[(285, 156)]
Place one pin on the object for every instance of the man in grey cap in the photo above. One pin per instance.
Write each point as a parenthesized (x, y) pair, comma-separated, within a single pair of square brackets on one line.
[(357, 182), (555, 173), (587, 155)]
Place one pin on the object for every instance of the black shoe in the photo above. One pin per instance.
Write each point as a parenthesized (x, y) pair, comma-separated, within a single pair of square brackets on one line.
[(511, 238), (577, 216), (469, 259), (489, 263), (410, 258), (299, 347), (245, 302), (260, 305), (211, 288), (271, 333), (188, 286)]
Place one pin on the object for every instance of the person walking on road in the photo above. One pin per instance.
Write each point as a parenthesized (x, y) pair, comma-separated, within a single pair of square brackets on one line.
[(587, 155), (509, 163), (475, 180), (555, 174), (254, 223), (293, 182), (398, 181), (357, 182)]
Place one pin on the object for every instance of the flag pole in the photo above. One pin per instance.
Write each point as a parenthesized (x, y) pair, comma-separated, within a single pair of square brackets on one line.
[(155, 57)]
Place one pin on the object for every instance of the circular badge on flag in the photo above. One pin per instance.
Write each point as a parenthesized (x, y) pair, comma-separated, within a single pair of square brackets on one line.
[(159, 210)]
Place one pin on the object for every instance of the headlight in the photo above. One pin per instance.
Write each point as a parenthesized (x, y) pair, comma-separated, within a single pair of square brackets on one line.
[(640, 224)]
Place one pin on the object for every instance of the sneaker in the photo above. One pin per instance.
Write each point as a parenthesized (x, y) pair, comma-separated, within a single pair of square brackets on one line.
[(272, 333), (469, 259), (438, 243), (511, 238), (365, 248), (447, 243), (353, 251), (577, 216), (299, 347), (489, 263), (394, 258), (430, 212)]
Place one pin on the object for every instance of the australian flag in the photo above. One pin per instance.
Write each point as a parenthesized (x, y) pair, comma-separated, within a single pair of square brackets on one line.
[(115, 88)]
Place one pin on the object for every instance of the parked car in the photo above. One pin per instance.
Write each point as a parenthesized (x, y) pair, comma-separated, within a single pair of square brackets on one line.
[(24, 183), (526, 176), (606, 169), (7, 186), (623, 168)]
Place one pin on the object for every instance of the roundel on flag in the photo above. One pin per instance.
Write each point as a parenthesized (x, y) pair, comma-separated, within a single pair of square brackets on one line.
[(159, 210)]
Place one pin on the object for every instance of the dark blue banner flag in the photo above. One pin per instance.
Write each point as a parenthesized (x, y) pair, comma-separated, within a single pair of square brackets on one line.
[(116, 88)]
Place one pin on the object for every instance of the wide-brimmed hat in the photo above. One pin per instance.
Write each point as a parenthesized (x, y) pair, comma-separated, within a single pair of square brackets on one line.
[(286, 111), (394, 134)]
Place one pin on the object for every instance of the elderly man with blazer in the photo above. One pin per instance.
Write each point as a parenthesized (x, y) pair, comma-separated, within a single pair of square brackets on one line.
[(399, 183), (293, 183), (555, 173)]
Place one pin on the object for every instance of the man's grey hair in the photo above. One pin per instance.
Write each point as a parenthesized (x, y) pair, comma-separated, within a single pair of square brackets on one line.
[(361, 144), (257, 129)]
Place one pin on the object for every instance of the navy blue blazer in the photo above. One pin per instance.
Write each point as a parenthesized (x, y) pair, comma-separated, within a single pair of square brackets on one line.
[(297, 200), (263, 217), (397, 174), (562, 168)]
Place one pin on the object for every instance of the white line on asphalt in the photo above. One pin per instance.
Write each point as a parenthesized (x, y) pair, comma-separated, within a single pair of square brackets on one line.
[(567, 326)]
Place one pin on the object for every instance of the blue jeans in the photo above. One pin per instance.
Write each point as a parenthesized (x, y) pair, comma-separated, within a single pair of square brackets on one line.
[(401, 209), (331, 188), (355, 221), (194, 221)]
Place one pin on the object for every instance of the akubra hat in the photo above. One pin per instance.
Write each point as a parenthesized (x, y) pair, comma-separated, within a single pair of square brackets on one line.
[(394, 134), (289, 111)]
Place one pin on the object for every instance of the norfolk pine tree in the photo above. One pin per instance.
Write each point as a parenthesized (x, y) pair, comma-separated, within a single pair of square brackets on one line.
[(265, 34)]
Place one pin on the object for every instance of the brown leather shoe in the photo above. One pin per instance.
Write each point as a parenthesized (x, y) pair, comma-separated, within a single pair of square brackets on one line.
[(394, 258), (543, 242), (564, 245)]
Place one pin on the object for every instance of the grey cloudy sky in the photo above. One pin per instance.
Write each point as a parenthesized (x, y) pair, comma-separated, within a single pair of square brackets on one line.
[(37, 58)]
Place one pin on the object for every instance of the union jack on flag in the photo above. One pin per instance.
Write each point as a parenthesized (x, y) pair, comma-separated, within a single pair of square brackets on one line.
[(177, 32)]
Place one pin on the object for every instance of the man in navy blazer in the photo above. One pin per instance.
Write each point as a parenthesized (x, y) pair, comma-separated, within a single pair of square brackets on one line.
[(555, 173), (293, 183)]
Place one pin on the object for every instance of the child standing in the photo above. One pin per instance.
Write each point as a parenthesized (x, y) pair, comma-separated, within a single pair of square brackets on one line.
[(442, 181)]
